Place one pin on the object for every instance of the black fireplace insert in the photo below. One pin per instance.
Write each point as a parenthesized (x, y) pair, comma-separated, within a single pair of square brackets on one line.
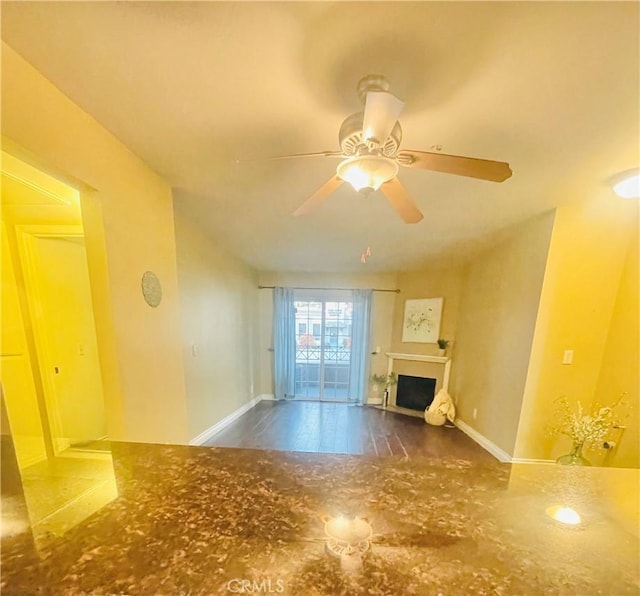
[(415, 393)]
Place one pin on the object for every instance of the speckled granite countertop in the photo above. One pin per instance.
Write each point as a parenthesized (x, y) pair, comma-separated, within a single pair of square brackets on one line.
[(196, 520)]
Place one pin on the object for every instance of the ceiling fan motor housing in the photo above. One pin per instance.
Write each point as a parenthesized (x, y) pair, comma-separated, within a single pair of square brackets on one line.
[(351, 142)]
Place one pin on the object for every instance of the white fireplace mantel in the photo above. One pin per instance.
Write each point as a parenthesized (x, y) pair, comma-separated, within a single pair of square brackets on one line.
[(422, 358)]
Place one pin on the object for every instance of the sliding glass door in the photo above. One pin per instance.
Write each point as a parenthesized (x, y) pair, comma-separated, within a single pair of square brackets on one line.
[(323, 349)]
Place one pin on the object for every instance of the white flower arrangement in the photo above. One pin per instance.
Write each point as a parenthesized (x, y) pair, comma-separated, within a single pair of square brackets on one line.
[(584, 428)]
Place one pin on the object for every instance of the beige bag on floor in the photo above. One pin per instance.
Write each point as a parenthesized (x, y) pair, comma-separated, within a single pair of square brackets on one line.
[(440, 409)]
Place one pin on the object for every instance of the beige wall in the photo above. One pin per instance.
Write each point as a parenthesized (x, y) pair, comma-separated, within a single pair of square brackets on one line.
[(431, 282), (381, 313), (497, 318), (142, 361), (219, 316), (581, 285)]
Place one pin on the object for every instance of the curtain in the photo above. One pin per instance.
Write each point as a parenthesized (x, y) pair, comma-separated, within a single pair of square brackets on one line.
[(360, 339), (284, 343)]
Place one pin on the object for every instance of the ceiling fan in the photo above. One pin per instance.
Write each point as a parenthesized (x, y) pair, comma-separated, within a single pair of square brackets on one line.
[(371, 156)]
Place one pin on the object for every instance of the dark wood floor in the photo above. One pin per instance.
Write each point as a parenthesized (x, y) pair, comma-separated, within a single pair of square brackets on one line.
[(317, 427)]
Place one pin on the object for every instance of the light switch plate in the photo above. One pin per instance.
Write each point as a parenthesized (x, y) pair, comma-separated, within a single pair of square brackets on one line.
[(567, 357)]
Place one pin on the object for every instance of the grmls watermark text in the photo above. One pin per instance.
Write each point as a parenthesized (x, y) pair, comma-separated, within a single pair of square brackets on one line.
[(253, 586)]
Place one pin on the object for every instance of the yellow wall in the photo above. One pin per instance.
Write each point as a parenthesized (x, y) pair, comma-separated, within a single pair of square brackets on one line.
[(219, 320), (581, 285), (496, 323), (381, 313), (621, 362), (15, 373), (131, 232), (435, 281)]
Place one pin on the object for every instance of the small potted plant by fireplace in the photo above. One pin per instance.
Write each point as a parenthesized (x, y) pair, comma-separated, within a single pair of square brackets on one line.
[(442, 346), (383, 382)]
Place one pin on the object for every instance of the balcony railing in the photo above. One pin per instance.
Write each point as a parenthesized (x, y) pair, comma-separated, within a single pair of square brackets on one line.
[(312, 354)]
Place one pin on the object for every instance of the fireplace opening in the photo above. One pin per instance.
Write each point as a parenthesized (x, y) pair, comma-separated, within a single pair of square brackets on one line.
[(415, 393)]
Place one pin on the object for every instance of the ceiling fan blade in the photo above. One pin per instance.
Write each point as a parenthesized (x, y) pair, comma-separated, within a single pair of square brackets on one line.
[(484, 169), (381, 113), (293, 156), (400, 200), (320, 195)]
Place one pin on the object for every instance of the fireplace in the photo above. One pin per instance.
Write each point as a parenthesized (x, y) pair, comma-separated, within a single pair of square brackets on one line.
[(415, 393)]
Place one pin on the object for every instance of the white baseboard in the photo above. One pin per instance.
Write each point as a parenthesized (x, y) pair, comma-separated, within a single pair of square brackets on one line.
[(525, 460), (485, 443), (204, 436)]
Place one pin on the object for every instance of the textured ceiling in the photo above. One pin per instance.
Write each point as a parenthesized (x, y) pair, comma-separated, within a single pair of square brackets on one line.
[(552, 88)]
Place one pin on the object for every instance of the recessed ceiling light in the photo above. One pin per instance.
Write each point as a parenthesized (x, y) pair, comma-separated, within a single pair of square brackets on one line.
[(627, 184)]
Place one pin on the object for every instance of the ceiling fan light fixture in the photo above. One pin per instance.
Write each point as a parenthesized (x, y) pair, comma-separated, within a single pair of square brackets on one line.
[(367, 172)]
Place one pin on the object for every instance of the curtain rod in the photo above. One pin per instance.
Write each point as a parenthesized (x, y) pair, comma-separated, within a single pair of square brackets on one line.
[(298, 288)]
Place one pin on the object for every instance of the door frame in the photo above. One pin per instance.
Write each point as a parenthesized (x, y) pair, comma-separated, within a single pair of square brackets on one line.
[(321, 364)]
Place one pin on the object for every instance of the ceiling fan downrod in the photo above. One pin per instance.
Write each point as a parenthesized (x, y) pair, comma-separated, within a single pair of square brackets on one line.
[(372, 82)]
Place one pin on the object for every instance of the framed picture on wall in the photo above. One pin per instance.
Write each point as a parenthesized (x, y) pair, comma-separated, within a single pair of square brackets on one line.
[(421, 321)]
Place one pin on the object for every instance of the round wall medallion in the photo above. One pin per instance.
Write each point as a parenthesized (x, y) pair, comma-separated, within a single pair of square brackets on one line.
[(151, 288)]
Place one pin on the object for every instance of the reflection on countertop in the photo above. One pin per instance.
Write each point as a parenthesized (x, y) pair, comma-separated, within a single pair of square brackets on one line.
[(203, 520), (60, 492)]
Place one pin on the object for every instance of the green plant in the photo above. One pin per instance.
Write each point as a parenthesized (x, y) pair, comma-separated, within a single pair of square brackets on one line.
[(442, 343), (385, 380)]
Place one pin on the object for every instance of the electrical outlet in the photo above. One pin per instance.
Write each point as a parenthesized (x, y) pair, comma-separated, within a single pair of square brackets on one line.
[(567, 357), (475, 413), (194, 349)]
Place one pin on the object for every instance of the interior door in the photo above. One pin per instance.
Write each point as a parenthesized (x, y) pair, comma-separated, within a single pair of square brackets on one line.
[(323, 349), (59, 300)]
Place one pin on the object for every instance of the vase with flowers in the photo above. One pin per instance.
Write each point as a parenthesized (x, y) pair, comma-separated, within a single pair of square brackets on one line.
[(385, 382), (586, 428)]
